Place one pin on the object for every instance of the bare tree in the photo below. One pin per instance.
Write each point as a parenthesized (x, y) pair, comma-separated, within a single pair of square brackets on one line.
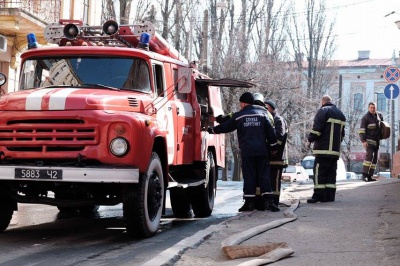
[(167, 7), (108, 10), (313, 38), (124, 11), (144, 10)]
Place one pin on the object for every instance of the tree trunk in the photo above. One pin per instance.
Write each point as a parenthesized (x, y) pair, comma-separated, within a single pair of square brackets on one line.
[(237, 169)]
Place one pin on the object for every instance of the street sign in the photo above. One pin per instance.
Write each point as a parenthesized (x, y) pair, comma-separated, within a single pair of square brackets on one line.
[(391, 91), (392, 74)]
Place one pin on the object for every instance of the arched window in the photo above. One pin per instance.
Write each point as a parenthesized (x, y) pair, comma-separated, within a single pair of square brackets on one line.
[(381, 101), (358, 101)]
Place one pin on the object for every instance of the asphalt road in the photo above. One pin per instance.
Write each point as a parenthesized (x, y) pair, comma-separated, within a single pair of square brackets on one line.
[(40, 235)]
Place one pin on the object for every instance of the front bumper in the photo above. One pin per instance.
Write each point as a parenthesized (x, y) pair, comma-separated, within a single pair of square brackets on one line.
[(75, 174)]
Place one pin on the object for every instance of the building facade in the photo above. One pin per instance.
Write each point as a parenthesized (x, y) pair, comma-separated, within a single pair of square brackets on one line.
[(359, 82), (21, 17)]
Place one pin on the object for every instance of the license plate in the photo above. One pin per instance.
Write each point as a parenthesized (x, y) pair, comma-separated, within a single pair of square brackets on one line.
[(38, 173)]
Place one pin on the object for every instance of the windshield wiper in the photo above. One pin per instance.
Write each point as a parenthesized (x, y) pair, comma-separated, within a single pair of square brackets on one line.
[(92, 85), (89, 85), (54, 86)]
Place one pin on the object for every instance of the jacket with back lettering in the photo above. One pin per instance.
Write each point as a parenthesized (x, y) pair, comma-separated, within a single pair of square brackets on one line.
[(253, 131)]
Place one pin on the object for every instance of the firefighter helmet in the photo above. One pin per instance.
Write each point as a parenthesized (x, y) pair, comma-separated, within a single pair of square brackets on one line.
[(258, 97)]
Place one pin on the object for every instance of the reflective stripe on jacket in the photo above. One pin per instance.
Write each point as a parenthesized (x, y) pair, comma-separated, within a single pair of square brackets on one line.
[(328, 131), (369, 129)]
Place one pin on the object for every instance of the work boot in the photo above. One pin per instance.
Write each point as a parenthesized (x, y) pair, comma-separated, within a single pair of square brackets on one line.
[(271, 206), (330, 194), (259, 203), (317, 197), (366, 177), (248, 206), (276, 200)]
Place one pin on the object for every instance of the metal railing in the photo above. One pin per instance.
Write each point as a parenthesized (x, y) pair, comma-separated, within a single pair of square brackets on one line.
[(46, 10)]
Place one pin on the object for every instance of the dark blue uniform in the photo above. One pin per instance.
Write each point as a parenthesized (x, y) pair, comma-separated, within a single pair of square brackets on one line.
[(256, 137), (327, 134)]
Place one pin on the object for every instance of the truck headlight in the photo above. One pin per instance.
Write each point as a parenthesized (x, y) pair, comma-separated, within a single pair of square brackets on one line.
[(119, 146)]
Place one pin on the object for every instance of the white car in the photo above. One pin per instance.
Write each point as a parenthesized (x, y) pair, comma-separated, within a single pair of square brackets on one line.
[(382, 175), (308, 164), (294, 173), (351, 175)]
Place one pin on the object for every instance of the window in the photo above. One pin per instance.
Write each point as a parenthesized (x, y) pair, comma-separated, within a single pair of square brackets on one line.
[(180, 96), (158, 80), (381, 102), (358, 102)]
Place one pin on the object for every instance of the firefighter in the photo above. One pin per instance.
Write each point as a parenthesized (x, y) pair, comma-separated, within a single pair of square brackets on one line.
[(370, 136), (253, 129), (258, 103), (327, 134), (279, 160)]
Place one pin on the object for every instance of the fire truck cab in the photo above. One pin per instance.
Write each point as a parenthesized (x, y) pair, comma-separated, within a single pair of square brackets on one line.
[(106, 115)]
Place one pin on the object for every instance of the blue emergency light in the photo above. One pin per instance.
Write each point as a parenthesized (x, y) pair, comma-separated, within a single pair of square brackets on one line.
[(144, 41), (32, 43)]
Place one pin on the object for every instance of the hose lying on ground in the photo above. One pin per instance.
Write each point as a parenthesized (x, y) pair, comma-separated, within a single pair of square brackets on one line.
[(267, 253)]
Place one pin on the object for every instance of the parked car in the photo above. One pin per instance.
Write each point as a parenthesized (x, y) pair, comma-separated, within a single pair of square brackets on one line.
[(308, 164), (351, 175), (382, 175), (294, 173)]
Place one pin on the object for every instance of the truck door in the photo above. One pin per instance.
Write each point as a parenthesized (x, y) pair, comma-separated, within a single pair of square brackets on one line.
[(184, 124), (165, 112)]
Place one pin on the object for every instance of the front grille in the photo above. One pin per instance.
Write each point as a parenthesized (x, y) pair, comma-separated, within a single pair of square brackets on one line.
[(50, 135)]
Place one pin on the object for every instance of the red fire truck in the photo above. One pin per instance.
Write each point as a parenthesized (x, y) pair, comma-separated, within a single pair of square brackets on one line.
[(106, 115)]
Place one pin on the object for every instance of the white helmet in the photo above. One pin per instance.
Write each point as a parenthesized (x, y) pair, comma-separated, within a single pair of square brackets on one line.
[(258, 97)]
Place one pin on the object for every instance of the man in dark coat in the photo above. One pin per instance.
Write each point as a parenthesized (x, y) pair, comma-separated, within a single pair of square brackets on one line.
[(327, 134), (370, 136), (279, 160), (256, 137)]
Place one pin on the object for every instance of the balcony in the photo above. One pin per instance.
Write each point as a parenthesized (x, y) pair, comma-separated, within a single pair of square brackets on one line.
[(18, 18)]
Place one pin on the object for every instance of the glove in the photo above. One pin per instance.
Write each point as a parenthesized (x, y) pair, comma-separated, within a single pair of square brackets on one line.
[(210, 130), (308, 144), (219, 119)]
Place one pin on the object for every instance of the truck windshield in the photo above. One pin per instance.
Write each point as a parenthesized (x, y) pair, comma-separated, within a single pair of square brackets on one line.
[(119, 73)]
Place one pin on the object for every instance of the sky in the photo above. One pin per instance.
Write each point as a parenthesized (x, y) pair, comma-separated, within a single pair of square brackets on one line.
[(363, 25)]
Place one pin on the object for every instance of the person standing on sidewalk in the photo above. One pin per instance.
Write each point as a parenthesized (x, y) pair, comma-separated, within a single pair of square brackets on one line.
[(253, 131), (370, 136), (279, 160), (327, 133)]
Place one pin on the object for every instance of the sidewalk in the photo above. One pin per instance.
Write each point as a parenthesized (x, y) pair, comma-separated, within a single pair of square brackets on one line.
[(362, 227)]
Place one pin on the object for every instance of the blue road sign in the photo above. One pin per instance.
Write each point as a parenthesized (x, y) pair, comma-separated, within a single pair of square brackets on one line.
[(391, 91), (392, 74)]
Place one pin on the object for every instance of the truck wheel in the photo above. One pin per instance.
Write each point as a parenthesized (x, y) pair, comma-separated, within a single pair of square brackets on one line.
[(88, 209), (6, 210), (180, 203), (202, 197), (5, 217), (143, 203)]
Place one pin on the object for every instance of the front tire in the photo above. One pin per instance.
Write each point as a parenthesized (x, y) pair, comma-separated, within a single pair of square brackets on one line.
[(203, 196), (143, 203), (7, 206)]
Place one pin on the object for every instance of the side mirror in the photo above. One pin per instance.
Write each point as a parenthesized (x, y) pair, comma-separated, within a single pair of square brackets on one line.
[(3, 79), (184, 80)]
